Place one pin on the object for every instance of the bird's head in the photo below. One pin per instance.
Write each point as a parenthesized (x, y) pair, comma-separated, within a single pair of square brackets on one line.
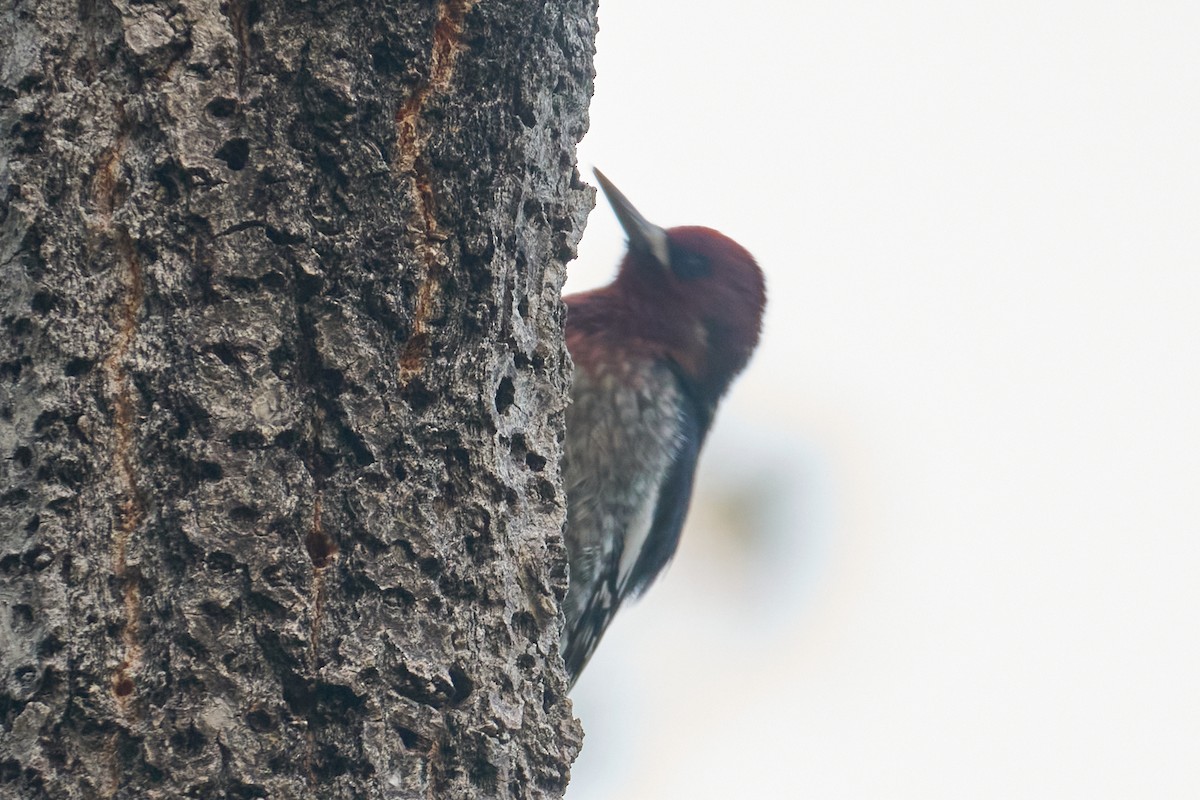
[(691, 292)]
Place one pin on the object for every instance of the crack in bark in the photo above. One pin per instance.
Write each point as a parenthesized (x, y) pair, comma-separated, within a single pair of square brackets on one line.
[(130, 509), (447, 42), (322, 551), (238, 14), (114, 777), (105, 182)]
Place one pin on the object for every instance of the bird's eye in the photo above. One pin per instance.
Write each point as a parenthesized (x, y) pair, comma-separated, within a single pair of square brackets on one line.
[(688, 265)]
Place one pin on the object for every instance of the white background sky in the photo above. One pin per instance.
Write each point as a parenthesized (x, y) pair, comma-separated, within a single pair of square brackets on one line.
[(947, 539)]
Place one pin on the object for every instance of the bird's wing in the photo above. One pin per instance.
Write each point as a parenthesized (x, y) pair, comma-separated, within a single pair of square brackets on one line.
[(671, 507)]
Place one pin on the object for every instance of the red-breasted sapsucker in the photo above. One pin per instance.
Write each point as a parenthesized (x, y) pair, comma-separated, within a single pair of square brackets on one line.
[(654, 351)]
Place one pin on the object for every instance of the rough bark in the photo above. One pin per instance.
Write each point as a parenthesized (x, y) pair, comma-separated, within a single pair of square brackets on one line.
[(281, 391)]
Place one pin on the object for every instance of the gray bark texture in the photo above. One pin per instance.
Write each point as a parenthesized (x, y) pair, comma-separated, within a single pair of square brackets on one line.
[(282, 381)]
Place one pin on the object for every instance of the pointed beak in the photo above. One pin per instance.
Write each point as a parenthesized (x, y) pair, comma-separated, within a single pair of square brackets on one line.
[(643, 235)]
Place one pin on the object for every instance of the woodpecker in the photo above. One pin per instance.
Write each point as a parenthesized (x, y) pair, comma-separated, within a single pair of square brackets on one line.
[(654, 352)]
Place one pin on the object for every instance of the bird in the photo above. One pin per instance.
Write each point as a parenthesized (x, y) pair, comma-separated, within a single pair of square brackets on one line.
[(654, 352)]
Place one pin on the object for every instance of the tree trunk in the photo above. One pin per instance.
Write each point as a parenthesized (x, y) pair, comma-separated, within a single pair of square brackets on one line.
[(281, 394)]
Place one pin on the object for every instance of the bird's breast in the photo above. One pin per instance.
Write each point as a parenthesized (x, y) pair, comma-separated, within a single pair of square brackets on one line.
[(622, 437)]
